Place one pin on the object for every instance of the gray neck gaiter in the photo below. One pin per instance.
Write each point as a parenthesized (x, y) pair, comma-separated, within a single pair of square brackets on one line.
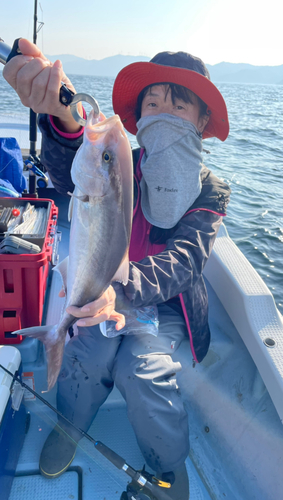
[(170, 167)]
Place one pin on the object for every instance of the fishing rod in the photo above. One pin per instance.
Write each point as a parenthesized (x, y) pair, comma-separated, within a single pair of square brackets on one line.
[(33, 120), (66, 95), (6, 53), (145, 485)]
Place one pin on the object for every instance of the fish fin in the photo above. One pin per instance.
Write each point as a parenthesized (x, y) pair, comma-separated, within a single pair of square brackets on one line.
[(35, 332), (62, 269), (70, 211), (122, 273), (84, 198)]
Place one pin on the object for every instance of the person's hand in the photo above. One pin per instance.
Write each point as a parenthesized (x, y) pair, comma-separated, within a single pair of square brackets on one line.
[(99, 310), (37, 82)]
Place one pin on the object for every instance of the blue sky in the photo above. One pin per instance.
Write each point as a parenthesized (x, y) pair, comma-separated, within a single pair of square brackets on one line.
[(238, 31)]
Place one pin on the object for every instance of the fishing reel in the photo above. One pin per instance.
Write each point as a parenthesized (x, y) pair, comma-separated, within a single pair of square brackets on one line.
[(136, 491), (140, 496), (33, 163)]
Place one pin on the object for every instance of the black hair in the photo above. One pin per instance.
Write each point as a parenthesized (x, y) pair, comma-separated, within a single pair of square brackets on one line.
[(177, 92)]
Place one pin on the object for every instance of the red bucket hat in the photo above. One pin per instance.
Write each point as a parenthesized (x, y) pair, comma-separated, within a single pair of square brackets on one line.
[(170, 67)]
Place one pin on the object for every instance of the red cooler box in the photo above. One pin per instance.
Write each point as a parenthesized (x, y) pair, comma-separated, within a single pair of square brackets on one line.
[(23, 278)]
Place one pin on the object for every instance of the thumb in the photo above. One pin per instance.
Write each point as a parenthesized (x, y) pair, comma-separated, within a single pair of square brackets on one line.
[(30, 49)]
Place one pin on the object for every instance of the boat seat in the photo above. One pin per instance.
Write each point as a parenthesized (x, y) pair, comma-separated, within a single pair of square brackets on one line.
[(251, 307)]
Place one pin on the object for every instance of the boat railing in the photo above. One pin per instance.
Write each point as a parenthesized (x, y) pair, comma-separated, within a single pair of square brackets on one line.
[(251, 307)]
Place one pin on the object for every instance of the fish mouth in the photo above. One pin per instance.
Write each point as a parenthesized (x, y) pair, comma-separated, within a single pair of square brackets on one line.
[(109, 127)]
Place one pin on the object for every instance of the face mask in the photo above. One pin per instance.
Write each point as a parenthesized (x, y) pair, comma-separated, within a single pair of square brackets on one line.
[(170, 166)]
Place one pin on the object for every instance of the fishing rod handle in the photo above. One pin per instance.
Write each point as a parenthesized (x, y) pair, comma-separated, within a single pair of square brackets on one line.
[(6, 52), (120, 463), (116, 460), (15, 50)]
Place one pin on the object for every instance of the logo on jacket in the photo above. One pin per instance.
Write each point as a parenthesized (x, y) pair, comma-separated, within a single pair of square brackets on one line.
[(167, 190)]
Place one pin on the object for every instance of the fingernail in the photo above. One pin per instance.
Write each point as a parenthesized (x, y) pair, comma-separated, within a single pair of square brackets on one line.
[(28, 58), (58, 64), (85, 309), (81, 323)]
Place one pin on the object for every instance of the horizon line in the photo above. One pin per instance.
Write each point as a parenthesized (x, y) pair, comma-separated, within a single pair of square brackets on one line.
[(131, 55)]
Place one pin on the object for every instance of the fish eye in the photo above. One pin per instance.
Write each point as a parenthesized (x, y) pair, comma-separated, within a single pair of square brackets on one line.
[(106, 157)]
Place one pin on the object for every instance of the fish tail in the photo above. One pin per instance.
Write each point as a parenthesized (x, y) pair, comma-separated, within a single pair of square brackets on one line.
[(53, 337)]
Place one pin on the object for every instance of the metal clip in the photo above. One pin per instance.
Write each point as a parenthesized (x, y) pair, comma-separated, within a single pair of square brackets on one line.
[(79, 98)]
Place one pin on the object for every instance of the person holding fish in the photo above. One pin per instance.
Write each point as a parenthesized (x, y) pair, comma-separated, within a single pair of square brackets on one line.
[(171, 105)]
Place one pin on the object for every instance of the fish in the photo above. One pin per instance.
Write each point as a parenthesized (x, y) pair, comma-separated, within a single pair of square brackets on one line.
[(101, 212)]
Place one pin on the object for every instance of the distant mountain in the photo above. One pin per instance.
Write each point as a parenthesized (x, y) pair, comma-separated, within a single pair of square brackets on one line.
[(222, 72), (110, 66), (245, 73)]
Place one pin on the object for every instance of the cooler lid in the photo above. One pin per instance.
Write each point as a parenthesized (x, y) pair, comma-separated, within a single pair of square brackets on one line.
[(10, 358)]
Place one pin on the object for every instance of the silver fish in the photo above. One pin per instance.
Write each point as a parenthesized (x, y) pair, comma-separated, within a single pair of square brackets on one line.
[(101, 210)]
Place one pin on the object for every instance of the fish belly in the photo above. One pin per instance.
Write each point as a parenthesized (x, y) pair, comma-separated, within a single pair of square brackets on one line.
[(98, 243)]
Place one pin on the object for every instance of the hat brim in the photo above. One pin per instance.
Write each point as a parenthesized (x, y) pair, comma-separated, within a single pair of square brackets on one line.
[(132, 79)]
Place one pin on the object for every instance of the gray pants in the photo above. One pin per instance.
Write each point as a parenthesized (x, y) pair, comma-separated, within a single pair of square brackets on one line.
[(142, 368)]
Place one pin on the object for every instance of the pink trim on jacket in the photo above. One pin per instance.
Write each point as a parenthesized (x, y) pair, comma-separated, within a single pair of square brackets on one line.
[(140, 246), (205, 210), (137, 177), (188, 326), (66, 134)]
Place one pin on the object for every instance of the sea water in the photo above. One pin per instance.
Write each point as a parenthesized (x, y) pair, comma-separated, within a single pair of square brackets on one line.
[(250, 161)]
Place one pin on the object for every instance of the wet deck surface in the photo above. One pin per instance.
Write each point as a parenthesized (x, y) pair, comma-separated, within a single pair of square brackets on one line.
[(90, 476)]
